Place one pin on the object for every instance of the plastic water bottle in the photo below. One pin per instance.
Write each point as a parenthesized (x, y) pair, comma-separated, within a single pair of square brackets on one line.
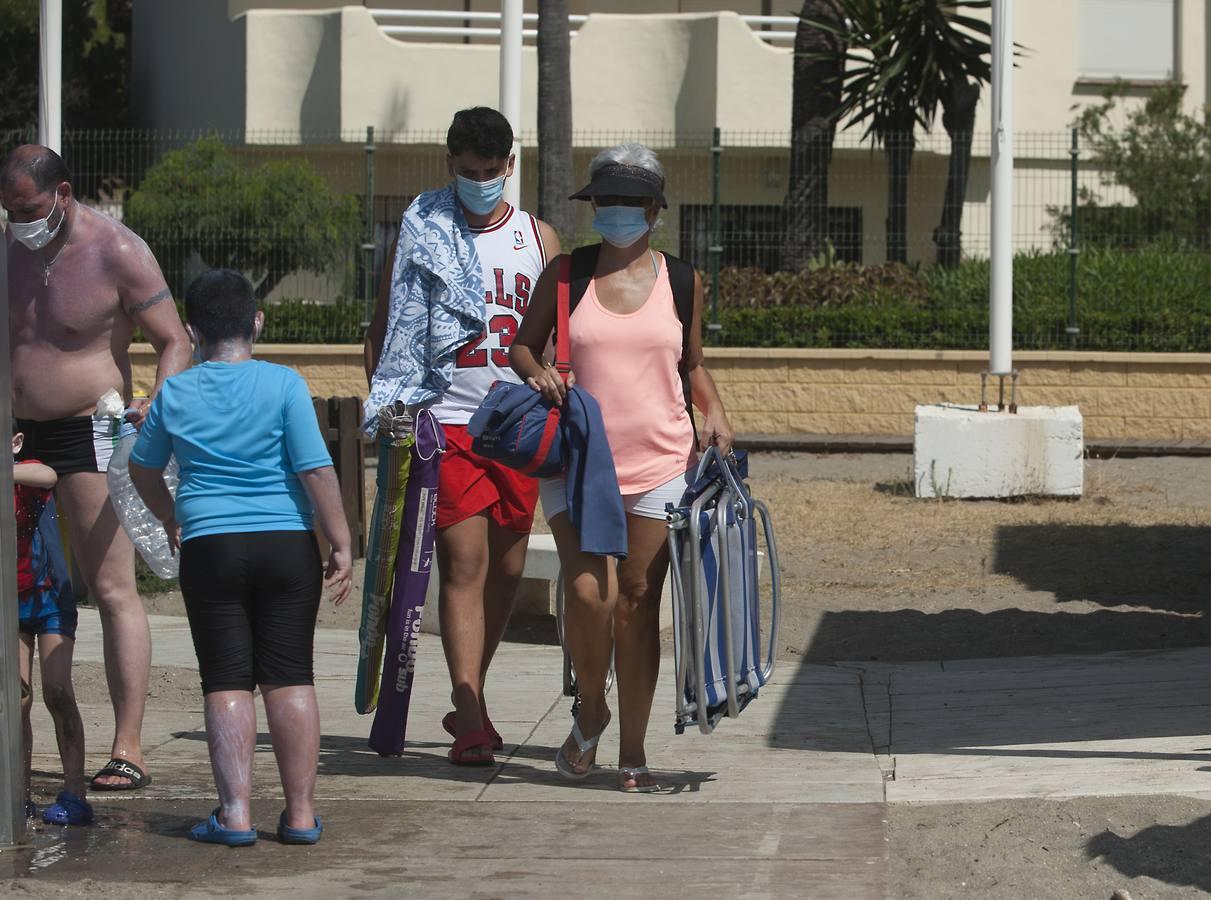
[(144, 530)]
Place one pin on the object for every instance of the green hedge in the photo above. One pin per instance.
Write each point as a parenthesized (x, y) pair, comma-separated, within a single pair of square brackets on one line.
[(1151, 300), (301, 322), (295, 321), (1155, 299)]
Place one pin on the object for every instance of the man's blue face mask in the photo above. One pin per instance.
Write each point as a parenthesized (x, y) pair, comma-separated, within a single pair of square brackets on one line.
[(480, 197), (621, 225)]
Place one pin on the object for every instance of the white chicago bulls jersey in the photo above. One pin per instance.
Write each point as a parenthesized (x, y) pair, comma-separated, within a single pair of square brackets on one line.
[(512, 257)]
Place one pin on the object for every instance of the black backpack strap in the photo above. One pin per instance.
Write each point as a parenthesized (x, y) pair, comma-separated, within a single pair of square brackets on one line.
[(584, 264), (681, 280)]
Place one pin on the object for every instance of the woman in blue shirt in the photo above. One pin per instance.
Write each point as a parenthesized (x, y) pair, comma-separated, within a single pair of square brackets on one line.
[(254, 472)]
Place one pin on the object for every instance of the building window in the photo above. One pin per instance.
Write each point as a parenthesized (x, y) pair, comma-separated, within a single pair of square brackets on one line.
[(752, 235), (1130, 39)]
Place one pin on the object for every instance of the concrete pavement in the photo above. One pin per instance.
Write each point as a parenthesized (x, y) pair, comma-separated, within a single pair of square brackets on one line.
[(787, 800)]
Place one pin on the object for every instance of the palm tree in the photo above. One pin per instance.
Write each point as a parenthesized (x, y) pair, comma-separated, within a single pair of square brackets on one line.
[(555, 117), (959, 101), (819, 62), (905, 58)]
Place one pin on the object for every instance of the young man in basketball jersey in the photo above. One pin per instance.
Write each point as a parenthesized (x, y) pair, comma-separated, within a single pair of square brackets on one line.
[(484, 510)]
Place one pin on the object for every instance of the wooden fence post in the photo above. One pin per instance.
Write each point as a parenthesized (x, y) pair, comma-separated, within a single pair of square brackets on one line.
[(340, 420)]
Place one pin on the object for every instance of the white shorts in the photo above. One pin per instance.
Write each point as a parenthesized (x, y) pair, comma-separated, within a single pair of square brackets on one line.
[(649, 504)]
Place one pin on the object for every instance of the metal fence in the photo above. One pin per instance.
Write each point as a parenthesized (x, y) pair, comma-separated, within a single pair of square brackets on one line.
[(241, 204)]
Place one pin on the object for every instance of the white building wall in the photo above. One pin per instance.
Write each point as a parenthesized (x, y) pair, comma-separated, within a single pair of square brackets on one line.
[(303, 68), (668, 72)]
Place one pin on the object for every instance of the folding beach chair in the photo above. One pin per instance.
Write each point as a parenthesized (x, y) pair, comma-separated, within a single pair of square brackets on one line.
[(714, 567)]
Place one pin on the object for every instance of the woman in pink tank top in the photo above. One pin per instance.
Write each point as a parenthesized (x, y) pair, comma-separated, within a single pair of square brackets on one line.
[(629, 351)]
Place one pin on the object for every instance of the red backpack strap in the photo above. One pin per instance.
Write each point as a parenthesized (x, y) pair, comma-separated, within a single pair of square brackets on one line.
[(563, 349)]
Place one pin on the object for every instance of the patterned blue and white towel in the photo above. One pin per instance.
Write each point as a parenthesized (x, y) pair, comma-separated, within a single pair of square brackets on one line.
[(436, 306)]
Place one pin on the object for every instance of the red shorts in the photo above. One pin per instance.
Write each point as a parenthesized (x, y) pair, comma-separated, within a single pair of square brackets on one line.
[(470, 484)]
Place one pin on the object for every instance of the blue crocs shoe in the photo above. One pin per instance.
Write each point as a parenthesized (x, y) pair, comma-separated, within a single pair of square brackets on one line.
[(68, 809), (288, 835), (211, 832)]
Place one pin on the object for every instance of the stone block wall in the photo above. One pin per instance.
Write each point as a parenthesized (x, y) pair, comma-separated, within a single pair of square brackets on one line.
[(1157, 396)]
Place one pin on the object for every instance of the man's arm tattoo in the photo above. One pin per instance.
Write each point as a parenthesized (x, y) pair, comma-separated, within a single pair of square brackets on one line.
[(152, 301)]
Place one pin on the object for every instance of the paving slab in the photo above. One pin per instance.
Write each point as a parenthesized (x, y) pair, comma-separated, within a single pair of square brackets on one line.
[(780, 802), (439, 850), (1058, 727), (788, 800)]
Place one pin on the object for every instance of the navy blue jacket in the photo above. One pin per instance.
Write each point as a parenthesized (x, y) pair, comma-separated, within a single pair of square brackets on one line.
[(594, 502)]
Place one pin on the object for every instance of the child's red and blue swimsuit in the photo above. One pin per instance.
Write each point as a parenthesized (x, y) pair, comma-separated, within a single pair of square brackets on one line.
[(46, 604)]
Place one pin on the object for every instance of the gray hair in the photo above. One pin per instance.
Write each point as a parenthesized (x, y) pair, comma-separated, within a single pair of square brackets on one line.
[(629, 154)]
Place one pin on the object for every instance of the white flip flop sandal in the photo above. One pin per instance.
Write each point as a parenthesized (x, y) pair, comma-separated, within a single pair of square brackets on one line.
[(632, 773), (564, 765)]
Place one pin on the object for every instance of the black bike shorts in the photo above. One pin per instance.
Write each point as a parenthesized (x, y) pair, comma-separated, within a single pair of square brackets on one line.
[(252, 600)]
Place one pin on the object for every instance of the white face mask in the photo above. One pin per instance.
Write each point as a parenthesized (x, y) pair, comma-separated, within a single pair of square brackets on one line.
[(36, 235)]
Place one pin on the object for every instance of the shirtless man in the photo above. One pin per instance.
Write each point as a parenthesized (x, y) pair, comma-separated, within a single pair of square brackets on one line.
[(79, 283)]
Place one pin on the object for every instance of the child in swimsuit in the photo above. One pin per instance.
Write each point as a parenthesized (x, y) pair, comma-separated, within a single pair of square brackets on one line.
[(47, 616)]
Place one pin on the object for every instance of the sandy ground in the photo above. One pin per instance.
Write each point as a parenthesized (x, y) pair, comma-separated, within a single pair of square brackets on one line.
[(1149, 847), (871, 573)]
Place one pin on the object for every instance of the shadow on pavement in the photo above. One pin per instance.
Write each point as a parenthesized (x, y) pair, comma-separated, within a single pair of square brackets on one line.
[(929, 687), (524, 763), (1174, 854), (909, 635)]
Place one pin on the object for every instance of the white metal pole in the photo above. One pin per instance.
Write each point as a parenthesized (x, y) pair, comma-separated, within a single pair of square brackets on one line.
[(50, 80), (511, 12), (12, 767), (1000, 322)]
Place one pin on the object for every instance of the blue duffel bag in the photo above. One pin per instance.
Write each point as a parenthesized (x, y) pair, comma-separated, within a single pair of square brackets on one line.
[(518, 428), (514, 425)]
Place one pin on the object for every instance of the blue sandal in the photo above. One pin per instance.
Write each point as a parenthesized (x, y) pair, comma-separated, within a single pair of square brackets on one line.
[(68, 809), (288, 835), (211, 832)]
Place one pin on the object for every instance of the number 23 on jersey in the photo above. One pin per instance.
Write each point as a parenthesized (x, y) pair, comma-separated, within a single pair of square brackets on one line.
[(502, 326)]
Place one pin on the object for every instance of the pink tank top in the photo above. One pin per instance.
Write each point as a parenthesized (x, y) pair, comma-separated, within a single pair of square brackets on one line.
[(629, 364)]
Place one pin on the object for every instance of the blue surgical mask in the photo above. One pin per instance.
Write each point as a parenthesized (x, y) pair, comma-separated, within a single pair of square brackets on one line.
[(480, 197), (621, 225)]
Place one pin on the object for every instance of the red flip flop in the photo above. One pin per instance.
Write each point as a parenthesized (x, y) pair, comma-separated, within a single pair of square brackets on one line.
[(461, 753), (448, 723)]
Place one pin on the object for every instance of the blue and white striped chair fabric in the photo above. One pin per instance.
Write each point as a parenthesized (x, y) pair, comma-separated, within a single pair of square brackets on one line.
[(713, 545)]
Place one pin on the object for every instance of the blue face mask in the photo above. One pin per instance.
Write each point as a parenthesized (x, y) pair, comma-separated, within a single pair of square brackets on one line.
[(480, 197), (621, 225)]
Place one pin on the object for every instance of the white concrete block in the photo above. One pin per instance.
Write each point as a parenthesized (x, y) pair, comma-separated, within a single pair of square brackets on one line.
[(959, 451)]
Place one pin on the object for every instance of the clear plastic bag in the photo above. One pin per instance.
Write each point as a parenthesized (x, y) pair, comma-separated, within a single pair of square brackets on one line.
[(146, 532)]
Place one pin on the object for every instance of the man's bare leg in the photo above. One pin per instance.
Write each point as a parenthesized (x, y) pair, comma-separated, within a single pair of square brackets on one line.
[(107, 561), (462, 560), (506, 562), (480, 565)]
